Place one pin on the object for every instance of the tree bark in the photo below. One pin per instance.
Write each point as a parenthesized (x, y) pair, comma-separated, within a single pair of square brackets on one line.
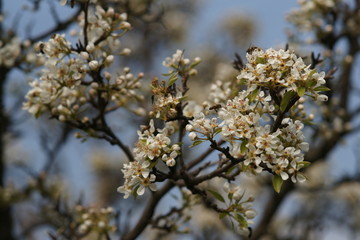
[(6, 221)]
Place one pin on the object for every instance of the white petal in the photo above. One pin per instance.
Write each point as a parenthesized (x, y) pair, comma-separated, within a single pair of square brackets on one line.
[(301, 178), (284, 175), (140, 191)]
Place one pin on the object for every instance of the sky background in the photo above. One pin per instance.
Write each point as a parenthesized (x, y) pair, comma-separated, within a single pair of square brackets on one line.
[(270, 20)]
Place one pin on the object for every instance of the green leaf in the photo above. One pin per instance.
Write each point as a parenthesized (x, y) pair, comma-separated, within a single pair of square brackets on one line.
[(304, 163), (230, 196), (223, 214), (310, 83), (241, 220), (218, 130), (322, 89), (232, 225), (301, 91), (168, 74), (307, 122), (312, 72), (253, 94), (135, 192), (194, 64), (216, 195), (243, 147), (243, 81), (172, 80), (285, 100), (260, 60), (152, 164), (277, 183), (230, 169), (197, 142)]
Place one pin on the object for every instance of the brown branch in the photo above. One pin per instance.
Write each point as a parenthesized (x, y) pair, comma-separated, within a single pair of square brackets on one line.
[(148, 212), (218, 171), (86, 12), (6, 219)]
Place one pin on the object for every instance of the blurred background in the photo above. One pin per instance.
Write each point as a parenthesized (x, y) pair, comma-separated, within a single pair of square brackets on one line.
[(326, 207)]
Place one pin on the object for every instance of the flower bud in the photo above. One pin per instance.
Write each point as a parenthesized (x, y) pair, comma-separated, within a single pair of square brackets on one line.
[(93, 65), (109, 59), (90, 47), (84, 55), (189, 128), (126, 51), (192, 136)]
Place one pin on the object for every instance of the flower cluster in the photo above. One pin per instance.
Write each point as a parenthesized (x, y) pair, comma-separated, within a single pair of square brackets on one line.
[(164, 103), (153, 145), (167, 98), (311, 14), (104, 28), (220, 92), (156, 144), (176, 60), (239, 208), (281, 69), (73, 77), (122, 89), (246, 127), (94, 220), (9, 51), (137, 177), (246, 121), (59, 88), (202, 128)]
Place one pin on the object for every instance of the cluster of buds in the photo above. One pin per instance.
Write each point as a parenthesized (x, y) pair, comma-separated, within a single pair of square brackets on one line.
[(64, 89), (239, 207), (94, 220), (167, 98), (280, 69), (153, 145), (104, 28), (311, 14), (9, 51), (245, 122), (59, 89)]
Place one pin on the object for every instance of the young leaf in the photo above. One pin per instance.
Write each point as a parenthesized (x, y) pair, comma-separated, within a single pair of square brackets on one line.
[(243, 147), (197, 142), (168, 74), (243, 81), (241, 220), (312, 72), (223, 214), (152, 164), (217, 195), (277, 183), (310, 83), (261, 60), (217, 130), (285, 100), (172, 80), (304, 163), (253, 94), (135, 192), (322, 89), (301, 91)]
